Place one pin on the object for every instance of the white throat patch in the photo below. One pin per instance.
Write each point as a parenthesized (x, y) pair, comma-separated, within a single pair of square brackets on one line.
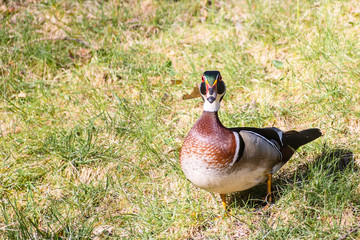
[(211, 107), (214, 106)]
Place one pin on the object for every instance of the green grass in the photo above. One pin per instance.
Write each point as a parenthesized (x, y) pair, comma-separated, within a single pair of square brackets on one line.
[(90, 131)]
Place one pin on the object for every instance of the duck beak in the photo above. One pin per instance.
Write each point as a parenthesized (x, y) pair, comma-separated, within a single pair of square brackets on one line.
[(211, 92), (211, 98)]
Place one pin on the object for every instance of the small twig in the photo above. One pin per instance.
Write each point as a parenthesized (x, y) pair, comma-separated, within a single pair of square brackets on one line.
[(56, 39)]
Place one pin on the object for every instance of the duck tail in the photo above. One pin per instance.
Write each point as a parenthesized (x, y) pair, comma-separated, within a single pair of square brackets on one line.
[(296, 139)]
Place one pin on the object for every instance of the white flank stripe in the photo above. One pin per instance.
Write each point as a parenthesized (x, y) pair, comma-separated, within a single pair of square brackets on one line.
[(237, 139)]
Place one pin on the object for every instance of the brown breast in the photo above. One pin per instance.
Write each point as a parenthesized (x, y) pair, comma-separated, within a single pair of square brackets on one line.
[(209, 141)]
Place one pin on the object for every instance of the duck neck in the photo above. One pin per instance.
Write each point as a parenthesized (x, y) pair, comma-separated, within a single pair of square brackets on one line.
[(213, 117)]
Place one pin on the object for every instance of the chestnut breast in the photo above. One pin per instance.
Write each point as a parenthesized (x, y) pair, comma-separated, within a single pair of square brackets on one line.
[(208, 145)]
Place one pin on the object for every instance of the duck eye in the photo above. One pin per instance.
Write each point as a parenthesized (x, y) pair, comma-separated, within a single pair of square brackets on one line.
[(202, 88), (220, 87)]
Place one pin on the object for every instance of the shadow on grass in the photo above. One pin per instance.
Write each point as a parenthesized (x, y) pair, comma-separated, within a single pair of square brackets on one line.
[(330, 162)]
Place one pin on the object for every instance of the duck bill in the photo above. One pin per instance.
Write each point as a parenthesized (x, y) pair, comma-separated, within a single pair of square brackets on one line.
[(211, 93), (211, 98)]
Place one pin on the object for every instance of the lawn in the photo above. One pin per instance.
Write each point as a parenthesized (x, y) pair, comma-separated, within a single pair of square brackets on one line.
[(94, 107)]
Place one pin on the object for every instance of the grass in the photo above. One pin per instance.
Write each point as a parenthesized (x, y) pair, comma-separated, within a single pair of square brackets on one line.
[(90, 130)]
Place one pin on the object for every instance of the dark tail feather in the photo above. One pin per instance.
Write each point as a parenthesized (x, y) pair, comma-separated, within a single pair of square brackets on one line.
[(296, 139)]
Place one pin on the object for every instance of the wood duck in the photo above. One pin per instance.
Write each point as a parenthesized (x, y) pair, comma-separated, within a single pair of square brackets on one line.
[(225, 160)]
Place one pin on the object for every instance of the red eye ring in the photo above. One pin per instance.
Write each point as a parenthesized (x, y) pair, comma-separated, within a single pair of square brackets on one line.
[(203, 79)]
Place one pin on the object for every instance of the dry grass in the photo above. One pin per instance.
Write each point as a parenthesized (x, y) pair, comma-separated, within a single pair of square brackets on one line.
[(90, 129)]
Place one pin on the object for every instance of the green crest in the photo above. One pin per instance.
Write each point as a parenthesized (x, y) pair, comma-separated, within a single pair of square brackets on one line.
[(211, 76)]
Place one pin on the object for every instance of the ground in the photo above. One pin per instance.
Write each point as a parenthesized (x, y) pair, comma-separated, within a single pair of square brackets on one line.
[(95, 104)]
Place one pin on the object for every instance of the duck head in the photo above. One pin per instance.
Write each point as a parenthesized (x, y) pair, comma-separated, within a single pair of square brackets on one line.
[(212, 90)]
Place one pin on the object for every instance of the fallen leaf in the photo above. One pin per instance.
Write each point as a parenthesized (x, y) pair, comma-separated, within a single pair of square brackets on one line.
[(194, 94), (176, 82)]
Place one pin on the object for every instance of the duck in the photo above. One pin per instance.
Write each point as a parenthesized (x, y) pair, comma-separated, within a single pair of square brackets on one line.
[(226, 160)]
